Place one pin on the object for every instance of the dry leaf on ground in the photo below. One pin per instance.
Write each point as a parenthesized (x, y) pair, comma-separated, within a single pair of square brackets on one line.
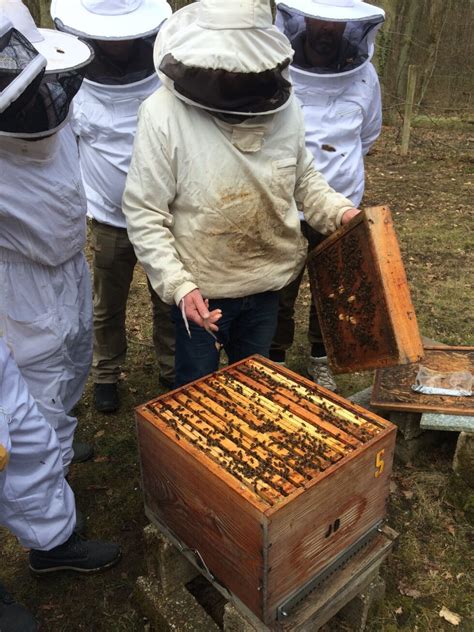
[(450, 617)]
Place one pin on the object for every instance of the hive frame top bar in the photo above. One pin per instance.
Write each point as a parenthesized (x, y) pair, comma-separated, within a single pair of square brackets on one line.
[(271, 431)]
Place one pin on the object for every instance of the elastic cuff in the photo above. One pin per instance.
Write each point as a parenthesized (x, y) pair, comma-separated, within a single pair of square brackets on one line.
[(341, 213), (183, 289)]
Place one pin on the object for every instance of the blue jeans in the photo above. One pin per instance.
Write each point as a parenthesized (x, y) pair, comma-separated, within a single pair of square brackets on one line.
[(247, 326)]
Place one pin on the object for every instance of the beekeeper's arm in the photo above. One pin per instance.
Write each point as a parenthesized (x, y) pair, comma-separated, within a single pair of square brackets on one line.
[(149, 192), (323, 208)]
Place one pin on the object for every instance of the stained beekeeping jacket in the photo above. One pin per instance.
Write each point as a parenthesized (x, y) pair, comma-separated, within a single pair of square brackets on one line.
[(106, 107), (341, 103), (212, 192), (45, 291), (36, 503)]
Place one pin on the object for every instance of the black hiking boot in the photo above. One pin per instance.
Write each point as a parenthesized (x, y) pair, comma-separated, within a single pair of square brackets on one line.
[(106, 399), (76, 554), (81, 452), (13, 616)]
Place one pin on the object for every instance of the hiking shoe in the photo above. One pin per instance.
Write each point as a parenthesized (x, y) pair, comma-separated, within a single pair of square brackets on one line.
[(106, 399), (13, 616), (319, 371), (76, 554), (82, 452)]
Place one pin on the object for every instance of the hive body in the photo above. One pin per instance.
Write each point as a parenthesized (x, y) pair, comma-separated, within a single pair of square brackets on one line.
[(266, 476)]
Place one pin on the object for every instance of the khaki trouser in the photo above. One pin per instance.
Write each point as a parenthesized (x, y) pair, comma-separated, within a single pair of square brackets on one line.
[(285, 332), (114, 262)]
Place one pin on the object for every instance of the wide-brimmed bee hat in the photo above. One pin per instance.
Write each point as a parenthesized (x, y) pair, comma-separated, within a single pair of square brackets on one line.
[(110, 19), (61, 51)]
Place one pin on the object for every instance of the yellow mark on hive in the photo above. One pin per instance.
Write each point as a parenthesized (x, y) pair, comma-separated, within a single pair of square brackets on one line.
[(379, 463)]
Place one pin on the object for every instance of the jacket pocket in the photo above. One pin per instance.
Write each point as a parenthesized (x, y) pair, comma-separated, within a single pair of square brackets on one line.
[(283, 183)]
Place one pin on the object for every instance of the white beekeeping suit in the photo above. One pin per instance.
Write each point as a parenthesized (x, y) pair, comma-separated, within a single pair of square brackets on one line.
[(122, 75), (341, 101), (36, 503), (339, 93), (45, 294), (106, 107)]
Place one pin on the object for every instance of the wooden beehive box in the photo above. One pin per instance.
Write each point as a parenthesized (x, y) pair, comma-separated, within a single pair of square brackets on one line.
[(267, 477), (362, 297)]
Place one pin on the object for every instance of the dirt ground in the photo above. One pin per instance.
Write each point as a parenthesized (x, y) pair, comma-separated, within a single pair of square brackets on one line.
[(430, 193)]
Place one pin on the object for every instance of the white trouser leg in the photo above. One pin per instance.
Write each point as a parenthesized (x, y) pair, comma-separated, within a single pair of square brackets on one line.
[(36, 503), (46, 317)]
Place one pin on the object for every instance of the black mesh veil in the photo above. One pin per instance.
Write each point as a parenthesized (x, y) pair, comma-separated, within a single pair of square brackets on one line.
[(118, 62), (42, 105), (21, 71), (340, 46)]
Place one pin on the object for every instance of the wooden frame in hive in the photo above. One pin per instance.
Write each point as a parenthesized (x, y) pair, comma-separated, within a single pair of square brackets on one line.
[(362, 297), (265, 475)]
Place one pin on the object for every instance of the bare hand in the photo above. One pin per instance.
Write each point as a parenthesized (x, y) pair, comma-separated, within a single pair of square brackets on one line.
[(349, 214), (197, 310)]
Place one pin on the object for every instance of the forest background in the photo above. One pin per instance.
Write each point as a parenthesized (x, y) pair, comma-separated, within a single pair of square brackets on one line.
[(435, 35)]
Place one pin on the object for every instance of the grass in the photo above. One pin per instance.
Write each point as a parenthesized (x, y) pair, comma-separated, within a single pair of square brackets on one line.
[(430, 194)]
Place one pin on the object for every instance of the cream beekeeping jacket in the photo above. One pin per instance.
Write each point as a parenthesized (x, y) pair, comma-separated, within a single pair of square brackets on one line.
[(214, 206)]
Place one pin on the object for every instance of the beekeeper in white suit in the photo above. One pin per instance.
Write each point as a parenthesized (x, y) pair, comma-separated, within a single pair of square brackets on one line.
[(219, 166), (45, 291), (339, 91), (122, 74), (36, 503)]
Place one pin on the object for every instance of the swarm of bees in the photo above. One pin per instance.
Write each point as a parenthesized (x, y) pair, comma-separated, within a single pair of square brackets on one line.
[(271, 432)]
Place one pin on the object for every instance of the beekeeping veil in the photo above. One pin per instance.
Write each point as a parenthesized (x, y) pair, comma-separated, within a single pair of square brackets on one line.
[(21, 70), (329, 36), (121, 32), (43, 105), (225, 57)]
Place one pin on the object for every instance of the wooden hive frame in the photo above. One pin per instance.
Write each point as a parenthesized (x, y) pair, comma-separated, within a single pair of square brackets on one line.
[(392, 386), (240, 465), (362, 296)]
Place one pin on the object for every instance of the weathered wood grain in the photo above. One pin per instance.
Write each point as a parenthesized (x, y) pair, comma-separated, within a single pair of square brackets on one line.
[(301, 533)]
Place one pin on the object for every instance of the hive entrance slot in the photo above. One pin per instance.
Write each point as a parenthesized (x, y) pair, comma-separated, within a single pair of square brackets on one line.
[(333, 527)]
